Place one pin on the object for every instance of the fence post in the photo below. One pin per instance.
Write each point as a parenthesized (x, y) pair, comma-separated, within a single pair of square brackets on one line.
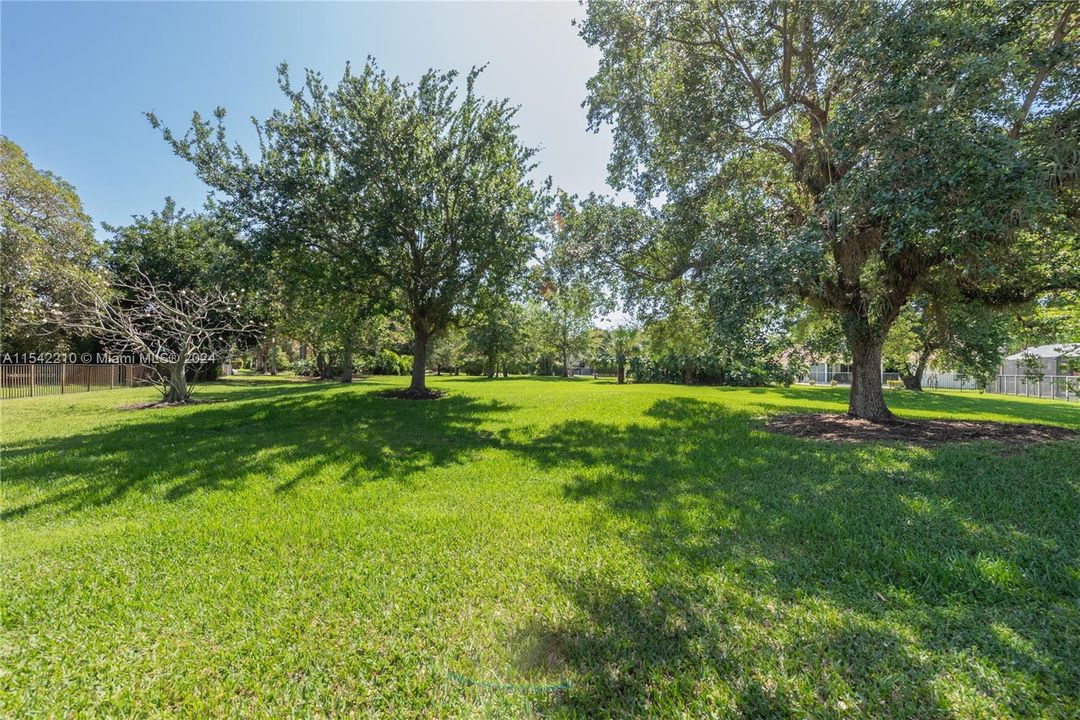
[(31, 380)]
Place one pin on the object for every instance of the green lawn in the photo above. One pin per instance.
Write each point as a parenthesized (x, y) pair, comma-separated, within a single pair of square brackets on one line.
[(311, 549)]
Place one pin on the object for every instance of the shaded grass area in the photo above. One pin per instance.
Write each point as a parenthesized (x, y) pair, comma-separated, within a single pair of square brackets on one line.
[(650, 550)]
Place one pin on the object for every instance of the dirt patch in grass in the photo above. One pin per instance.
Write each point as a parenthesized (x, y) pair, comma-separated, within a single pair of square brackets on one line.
[(844, 428), (411, 394)]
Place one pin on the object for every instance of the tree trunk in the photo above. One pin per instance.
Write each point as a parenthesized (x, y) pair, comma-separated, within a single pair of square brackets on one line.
[(273, 357), (320, 365), (566, 363), (346, 363), (866, 401), (490, 369), (419, 370), (177, 391), (622, 371), (913, 379)]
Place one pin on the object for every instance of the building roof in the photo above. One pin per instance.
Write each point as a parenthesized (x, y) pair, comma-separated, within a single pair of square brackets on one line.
[(1049, 351)]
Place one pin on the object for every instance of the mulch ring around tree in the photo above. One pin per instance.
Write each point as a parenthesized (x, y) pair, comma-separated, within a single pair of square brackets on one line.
[(835, 427), (412, 394)]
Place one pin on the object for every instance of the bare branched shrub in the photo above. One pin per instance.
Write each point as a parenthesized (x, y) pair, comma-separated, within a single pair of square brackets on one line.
[(164, 328)]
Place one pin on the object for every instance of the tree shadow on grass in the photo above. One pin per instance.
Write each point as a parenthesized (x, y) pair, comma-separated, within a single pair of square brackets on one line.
[(284, 435), (791, 576), (234, 389)]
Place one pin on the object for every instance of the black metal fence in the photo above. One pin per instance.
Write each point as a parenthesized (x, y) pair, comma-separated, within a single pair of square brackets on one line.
[(36, 380)]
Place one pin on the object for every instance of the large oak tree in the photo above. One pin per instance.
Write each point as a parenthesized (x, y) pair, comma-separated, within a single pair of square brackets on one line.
[(840, 153)]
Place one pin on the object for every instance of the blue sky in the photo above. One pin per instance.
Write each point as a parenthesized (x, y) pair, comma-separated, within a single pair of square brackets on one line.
[(76, 78)]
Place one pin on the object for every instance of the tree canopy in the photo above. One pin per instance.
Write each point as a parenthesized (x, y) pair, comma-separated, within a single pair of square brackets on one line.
[(48, 254)]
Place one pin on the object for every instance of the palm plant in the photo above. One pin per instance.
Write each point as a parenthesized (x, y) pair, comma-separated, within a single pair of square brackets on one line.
[(624, 342)]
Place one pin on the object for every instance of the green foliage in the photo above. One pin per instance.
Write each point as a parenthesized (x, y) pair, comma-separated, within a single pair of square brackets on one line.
[(679, 321), (621, 343), (307, 367), (495, 329), (49, 259), (979, 336), (386, 362), (447, 349), (679, 342), (532, 353), (570, 298), (710, 369), (814, 337), (1052, 318), (175, 248), (937, 329), (1032, 368)]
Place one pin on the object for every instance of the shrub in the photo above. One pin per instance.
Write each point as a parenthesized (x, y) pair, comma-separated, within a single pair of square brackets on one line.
[(709, 370), (305, 367), (473, 366), (385, 362)]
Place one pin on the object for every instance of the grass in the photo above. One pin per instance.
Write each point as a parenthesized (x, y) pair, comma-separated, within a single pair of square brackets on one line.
[(305, 549)]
